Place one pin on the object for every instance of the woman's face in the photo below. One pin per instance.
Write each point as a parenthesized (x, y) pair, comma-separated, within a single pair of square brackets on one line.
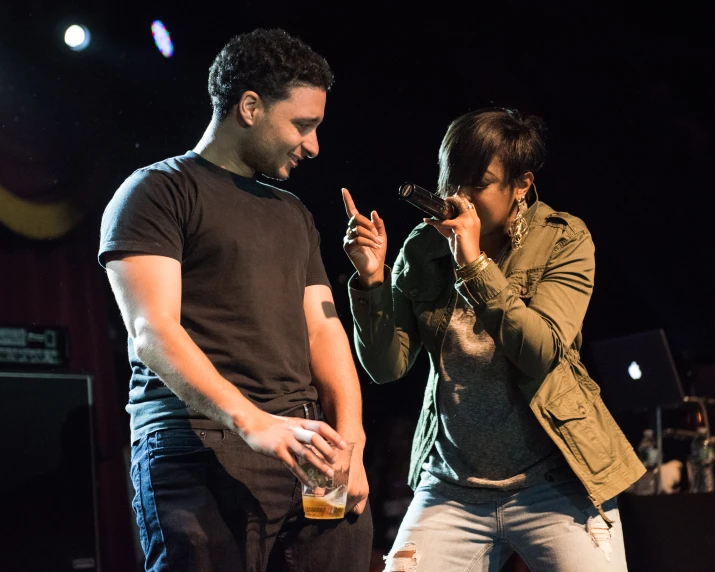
[(494, 199)]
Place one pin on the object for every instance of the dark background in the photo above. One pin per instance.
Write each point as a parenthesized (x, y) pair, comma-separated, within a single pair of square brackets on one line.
[(627, 93)]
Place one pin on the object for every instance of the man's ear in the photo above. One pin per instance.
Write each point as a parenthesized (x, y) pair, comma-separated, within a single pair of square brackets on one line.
[(523, 184), (248, 108)]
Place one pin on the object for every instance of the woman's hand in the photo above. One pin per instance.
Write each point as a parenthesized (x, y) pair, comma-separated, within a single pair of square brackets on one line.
[(365, 243), (462, 232)]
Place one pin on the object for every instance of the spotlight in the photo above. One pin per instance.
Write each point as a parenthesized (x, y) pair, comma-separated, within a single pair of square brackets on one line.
[(77, 37), (162, 39)]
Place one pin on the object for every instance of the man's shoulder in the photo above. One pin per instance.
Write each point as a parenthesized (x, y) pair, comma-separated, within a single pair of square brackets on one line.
[(170, 177), (169, 167)]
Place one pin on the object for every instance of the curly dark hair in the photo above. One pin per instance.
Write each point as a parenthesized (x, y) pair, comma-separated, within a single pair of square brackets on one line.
[(269, 62), (477, 137)]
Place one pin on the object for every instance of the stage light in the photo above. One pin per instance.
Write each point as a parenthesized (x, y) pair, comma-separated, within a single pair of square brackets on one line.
[(77, 37), (162, 39)]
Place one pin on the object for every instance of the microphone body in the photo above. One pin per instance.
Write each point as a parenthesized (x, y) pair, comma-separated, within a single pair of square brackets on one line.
[(427, 201)]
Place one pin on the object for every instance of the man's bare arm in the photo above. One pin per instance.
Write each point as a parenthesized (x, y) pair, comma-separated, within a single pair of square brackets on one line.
[(148, 291), (336, 379)]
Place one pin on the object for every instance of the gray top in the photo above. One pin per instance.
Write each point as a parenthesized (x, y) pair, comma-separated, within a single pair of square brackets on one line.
[(489, 442)]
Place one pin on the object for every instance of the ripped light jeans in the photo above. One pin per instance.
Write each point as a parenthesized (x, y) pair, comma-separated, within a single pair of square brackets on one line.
[(553, 527)]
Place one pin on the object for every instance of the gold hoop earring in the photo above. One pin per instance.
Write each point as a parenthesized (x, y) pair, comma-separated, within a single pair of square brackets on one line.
[(519, 227)]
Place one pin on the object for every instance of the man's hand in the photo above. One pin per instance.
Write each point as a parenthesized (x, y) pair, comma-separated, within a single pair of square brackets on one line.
[(358, 488), (285, 438)]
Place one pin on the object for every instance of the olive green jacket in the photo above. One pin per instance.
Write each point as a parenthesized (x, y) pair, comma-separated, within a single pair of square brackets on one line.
[(532, 304)]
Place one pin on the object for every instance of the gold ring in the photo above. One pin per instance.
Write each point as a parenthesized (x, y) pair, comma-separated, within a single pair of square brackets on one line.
[(470, 206)]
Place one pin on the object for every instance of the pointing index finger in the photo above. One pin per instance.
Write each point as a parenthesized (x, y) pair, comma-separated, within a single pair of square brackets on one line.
[(350, 208)]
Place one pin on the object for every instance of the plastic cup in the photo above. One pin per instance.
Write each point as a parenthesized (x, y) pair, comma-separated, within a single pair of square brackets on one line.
[(328, 498)]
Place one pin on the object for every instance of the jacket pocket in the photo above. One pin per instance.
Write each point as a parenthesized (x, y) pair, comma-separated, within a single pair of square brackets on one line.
[(579, 417), (523, 283)]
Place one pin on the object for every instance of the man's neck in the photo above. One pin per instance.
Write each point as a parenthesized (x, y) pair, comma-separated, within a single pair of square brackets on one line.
[(219, 147)]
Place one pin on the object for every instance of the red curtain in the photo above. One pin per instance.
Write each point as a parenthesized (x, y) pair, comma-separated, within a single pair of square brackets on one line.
[(59, 283)]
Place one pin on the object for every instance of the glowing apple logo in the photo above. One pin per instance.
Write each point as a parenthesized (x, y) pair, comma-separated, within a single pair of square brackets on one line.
[(634, 370)]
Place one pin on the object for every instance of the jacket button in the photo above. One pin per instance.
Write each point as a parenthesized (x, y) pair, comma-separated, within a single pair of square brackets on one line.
[(581, 409), (414, 291), (524, 289)]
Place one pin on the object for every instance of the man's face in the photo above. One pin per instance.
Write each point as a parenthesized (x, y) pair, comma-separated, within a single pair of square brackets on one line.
[(285, 133)]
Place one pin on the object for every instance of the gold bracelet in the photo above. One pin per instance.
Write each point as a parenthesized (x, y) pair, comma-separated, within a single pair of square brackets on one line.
[(482, 256), (473, 268)]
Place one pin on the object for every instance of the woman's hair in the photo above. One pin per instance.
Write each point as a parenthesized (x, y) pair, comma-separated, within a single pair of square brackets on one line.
[(269, 62), (473, 140)]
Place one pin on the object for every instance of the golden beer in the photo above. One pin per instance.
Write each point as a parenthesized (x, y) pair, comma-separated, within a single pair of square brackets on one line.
[(322, 508), (326, 496)]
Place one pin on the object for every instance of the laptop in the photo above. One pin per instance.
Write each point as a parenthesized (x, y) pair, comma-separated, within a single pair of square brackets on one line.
[(636, 371)]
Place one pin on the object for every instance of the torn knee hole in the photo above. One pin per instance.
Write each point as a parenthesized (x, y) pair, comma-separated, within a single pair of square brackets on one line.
[(404, 559), (600, 534)]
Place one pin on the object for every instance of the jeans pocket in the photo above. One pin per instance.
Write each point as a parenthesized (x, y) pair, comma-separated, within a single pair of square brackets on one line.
[(173, 442)]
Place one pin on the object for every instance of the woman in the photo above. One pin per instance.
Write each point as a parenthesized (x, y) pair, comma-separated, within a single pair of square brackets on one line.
[(514, 449)]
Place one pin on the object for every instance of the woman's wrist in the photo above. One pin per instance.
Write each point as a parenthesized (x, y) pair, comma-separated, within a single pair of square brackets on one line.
[(467, 254), (371, 281), (470, 270)]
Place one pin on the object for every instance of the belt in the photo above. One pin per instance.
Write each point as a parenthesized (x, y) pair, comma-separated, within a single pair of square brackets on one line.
[(307, 410)]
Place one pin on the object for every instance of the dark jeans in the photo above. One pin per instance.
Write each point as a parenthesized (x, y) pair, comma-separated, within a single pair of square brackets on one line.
[(206, 502)]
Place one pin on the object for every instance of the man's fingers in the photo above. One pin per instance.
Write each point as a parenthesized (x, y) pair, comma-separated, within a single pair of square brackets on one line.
[(350, 208), (308, 455), (326, 431), (356, 502), (359, 507), (294, 467), (319, 435), (310, 437)]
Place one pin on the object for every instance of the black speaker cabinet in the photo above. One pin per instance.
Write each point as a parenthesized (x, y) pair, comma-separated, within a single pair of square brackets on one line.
[(47, 482)]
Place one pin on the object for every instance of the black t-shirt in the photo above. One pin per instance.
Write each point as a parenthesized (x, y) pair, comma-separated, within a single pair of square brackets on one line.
[(247, 251)]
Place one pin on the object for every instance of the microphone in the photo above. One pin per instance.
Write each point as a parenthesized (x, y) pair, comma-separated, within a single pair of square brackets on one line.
[(427, 201)]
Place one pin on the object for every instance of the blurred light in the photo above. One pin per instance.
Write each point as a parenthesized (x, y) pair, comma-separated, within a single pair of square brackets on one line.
[(162, 39), (77, 37)]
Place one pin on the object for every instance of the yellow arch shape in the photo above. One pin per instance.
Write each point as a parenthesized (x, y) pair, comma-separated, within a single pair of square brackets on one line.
[(37, 220)]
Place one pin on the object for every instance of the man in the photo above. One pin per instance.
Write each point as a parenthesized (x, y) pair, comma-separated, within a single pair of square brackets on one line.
[(234, 340)]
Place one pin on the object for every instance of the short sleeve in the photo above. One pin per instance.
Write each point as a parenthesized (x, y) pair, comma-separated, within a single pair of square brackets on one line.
[(146, 215), (316, 270)]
